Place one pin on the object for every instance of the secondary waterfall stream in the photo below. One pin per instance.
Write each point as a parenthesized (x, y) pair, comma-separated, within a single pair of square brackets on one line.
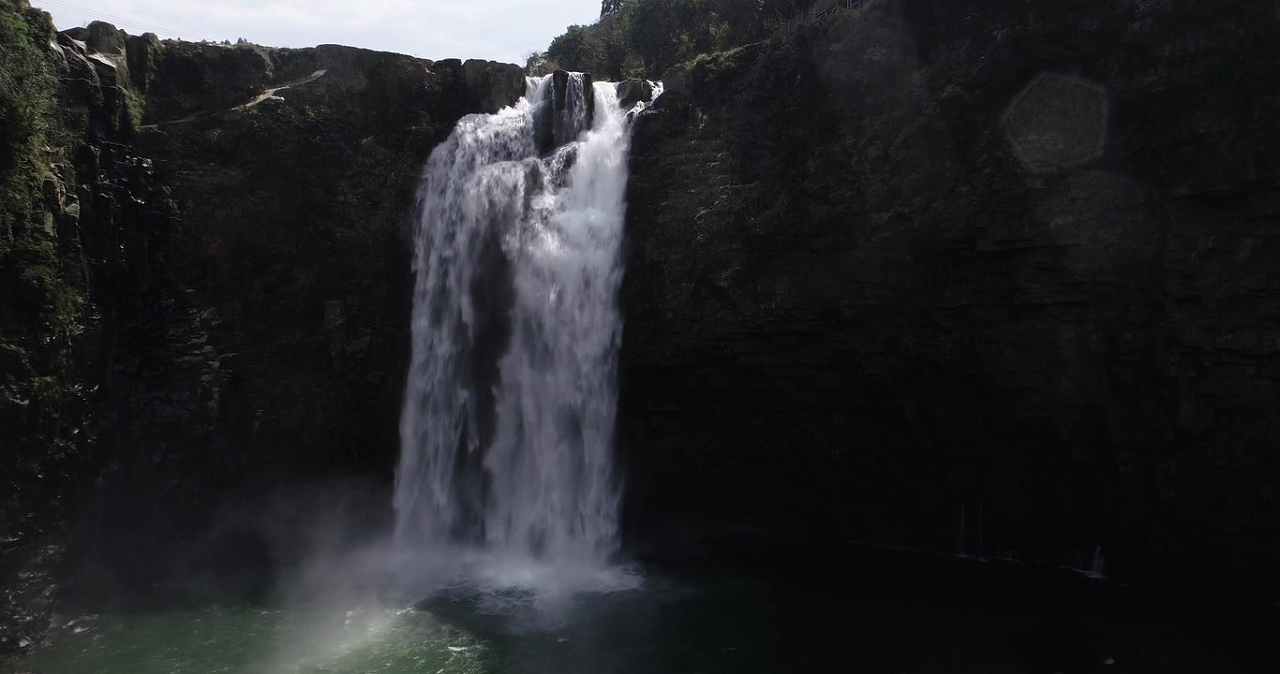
[(506, 432)]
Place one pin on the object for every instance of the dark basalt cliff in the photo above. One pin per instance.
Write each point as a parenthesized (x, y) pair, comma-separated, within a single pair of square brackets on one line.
[(986, 277), (992, 278), (204, 290)]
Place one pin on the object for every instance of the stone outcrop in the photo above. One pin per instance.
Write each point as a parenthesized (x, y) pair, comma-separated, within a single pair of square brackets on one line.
[(633, 91), (555, 125), (972, 278), (492, 85)]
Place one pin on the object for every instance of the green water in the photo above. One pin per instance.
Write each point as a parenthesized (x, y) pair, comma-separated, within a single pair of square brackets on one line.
[(859, 611), (254, 640)]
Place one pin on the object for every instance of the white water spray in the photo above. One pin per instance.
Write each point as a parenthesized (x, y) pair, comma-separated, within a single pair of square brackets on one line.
[(506, 433)]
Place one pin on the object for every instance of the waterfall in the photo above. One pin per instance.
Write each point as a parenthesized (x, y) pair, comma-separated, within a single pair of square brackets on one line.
[(506, 432)]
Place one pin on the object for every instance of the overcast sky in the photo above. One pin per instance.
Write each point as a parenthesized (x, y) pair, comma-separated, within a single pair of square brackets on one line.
[(501, 30)]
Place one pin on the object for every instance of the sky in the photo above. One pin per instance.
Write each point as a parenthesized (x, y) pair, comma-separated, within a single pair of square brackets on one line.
[(500, 30)]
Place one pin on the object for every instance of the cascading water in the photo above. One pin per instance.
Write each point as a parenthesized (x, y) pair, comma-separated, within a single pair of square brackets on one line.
[(509, 409)]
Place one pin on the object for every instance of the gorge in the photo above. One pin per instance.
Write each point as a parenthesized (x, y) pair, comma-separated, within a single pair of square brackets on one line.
[(986, 280)]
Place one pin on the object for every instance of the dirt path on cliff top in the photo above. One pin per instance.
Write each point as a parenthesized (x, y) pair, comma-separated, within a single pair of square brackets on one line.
[(264, 96)]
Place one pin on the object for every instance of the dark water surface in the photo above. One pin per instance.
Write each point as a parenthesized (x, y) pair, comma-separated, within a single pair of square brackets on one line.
[(750, 611)]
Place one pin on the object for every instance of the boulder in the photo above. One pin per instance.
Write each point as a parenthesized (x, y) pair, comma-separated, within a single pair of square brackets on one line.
[(105, 38), (633, 91), (677, 81)]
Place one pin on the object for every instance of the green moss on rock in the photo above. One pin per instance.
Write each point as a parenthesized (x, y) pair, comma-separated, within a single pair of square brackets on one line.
[(40, 308)]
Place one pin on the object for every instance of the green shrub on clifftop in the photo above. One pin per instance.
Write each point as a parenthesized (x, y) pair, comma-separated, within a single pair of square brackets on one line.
[(643, 38)]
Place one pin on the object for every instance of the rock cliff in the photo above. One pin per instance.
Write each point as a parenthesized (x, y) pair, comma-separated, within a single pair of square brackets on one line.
[(973, 277), (977, 277), (204, 284)]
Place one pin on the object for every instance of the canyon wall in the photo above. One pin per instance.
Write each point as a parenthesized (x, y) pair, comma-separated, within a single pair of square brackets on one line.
[(206, 284), (969, 277)]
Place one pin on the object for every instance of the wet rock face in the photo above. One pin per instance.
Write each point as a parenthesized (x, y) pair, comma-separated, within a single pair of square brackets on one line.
[(111, 217), (560, 81), (27, 600), (275, 351), (902, 280), (238, 278), (557, 120), (59, 241)]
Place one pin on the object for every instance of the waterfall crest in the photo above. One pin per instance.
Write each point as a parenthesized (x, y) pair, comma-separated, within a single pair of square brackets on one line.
[(508, 419)]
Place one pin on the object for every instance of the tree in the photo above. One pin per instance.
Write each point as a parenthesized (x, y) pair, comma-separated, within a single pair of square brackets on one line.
[(740, 21), (576, 49), (646, 37), (536, 64), (661, 32), (614, 49)]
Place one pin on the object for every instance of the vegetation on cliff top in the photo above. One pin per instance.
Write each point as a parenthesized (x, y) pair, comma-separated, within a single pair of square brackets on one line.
[(642, 38)]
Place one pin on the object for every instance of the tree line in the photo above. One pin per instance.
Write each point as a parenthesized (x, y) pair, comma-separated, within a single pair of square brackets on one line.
[(643, 38)]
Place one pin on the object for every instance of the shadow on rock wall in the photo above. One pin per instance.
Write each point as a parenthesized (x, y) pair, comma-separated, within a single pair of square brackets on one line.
[(976, 278)]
